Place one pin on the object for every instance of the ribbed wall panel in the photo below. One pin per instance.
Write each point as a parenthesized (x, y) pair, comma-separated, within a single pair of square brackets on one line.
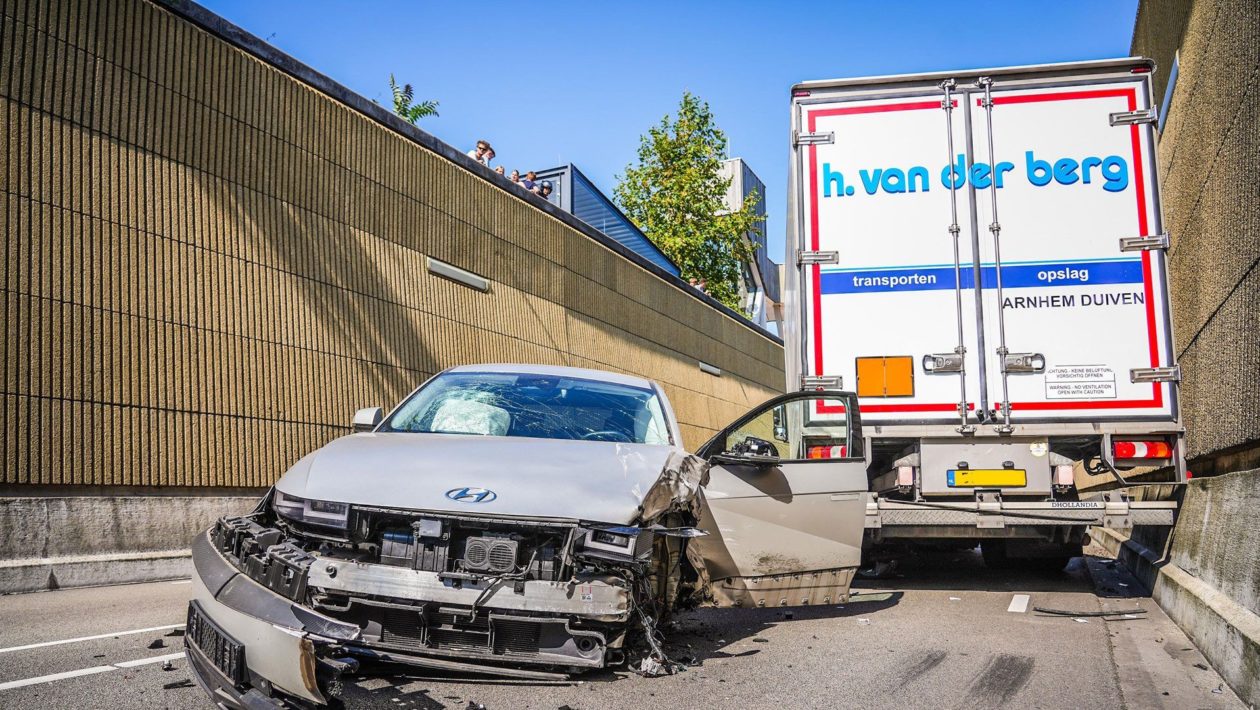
[(209, 265)]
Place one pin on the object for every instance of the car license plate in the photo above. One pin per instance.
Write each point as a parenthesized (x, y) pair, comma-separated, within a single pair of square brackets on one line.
[(222, 651), (987, 478)]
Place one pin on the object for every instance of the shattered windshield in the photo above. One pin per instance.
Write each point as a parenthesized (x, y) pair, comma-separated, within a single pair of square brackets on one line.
[(534, 406)]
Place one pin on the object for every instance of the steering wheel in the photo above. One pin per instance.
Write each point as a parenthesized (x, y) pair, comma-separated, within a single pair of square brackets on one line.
[(604, 436)]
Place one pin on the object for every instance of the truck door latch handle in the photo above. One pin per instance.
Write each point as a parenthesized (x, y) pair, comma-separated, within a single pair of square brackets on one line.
[(1024, 362), (943, 362)]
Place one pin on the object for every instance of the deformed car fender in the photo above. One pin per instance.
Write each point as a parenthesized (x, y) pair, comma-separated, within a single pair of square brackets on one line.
[(680, 488)]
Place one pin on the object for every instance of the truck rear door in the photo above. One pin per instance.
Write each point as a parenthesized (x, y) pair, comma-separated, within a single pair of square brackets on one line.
[(1078, 180), (899, 272)]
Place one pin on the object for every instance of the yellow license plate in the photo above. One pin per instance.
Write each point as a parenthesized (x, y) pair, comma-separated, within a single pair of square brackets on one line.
[(986, 478)]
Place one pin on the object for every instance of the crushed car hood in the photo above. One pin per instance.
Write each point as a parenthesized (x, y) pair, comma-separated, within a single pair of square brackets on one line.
[(587, 480)]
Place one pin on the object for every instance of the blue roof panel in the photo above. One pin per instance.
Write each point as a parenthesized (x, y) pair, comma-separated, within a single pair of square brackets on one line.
[(587, 203)]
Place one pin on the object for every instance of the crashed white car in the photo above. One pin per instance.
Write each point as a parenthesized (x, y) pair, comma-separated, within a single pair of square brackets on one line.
[(523, 520)]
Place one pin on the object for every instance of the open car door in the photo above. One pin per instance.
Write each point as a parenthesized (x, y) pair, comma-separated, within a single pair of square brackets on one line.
[(785, 504)]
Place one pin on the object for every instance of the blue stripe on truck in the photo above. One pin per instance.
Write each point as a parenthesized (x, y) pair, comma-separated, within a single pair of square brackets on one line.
[(932, 278)]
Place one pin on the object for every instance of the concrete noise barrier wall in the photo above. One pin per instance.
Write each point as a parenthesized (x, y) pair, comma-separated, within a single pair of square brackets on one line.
[(213, 255)]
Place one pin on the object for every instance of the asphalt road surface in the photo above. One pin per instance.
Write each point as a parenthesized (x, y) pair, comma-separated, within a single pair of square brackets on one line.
[(941, 632)]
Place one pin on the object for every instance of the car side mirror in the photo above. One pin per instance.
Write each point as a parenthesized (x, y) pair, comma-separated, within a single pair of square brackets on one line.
[(752, 451), (367, 419)]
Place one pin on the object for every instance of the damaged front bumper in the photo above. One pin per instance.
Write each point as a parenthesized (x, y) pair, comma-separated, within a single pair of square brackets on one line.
[(273, 623), (251, 647)]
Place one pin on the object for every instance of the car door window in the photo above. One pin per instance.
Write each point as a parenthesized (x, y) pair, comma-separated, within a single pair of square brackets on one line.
[(803, 429)]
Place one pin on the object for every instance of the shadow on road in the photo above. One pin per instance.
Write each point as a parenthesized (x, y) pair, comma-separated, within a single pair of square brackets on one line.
[(702, 634), (964, 570)]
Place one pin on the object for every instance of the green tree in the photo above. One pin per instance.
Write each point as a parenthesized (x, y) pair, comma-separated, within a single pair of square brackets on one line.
[(403, 106), (675, 195)]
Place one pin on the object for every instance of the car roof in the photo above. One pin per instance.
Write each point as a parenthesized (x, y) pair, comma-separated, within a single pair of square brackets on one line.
[(558, 371)]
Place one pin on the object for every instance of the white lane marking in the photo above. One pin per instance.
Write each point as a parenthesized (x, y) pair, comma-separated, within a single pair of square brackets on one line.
[(91, 638), (88, 671), (1019, 604), (182, 581), (147, 661), (55, 677)]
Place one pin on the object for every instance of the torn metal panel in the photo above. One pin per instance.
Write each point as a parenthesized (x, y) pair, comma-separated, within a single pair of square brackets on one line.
[(679, 489)]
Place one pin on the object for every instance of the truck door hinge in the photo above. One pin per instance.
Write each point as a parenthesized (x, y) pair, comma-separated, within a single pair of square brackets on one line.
[(1154, 241), (800, 139), (817, 383), (817, 257), (1155, 374), (1129, 118)]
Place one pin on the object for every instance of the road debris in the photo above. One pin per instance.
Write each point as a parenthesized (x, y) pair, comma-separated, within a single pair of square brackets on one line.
[(1104, 612), (168, 666), (864, 622), (158, 643), (650, 667), (881, 569), (185, 683)]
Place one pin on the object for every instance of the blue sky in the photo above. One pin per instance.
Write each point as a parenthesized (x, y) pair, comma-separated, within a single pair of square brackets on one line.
[(557, 82)]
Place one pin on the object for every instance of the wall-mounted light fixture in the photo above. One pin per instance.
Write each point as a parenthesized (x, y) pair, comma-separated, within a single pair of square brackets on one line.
[(458, 275)]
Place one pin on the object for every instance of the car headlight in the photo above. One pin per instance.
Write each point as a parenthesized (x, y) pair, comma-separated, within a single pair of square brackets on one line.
[(311, 512), (612, 540)]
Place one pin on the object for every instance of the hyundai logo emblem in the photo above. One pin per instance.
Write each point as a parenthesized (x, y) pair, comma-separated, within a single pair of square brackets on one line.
[(471, 495)]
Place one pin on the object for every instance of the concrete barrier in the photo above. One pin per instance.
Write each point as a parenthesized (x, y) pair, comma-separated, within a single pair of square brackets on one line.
[(1206, 576), (78, 541)]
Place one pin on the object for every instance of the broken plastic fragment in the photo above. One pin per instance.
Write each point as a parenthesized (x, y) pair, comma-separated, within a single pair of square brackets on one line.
[(650, 667)]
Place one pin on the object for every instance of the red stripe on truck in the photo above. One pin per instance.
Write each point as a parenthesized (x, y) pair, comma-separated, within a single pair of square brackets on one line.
[(1157, 398)]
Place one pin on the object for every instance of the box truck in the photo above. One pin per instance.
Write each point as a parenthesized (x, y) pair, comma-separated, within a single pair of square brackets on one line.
[(980, 257)]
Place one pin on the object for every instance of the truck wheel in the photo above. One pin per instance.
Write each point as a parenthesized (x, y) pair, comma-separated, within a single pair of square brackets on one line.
[(994, 554)]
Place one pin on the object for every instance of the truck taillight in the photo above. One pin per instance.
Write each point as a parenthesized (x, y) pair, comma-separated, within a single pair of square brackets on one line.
[(1142, 450), (1064, 475), (826, 452)]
